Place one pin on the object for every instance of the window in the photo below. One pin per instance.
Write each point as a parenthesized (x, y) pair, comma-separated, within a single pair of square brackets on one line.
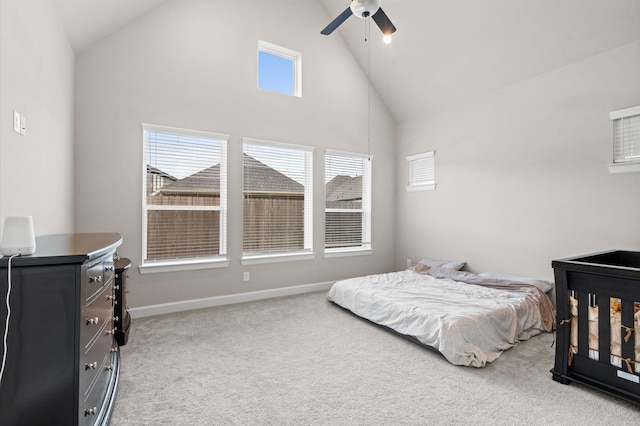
[(278, 201), (185, 196), (422, 171), (347, 202), (626, 140), (279, 69)]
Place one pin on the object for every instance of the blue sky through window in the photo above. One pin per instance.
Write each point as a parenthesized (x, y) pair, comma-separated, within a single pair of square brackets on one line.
[(275, 73)]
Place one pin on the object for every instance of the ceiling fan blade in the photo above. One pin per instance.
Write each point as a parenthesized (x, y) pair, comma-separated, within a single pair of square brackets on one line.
[(383, 22), (336, 22)]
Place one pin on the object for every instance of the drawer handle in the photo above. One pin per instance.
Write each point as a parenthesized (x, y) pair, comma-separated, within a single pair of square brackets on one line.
[(108, 268), (91, 366), (96, 279), (114, 350), (108, 368), (116, 318), (93, 321), (110, 332), (91, 411), (110, 297)]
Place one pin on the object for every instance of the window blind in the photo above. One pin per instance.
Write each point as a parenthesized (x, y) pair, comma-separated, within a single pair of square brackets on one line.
[(347, 200), (185, 194), (278, 200), (421, 171), (626, 135)]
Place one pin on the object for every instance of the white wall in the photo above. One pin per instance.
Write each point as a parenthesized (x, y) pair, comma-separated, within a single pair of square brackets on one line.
[(36, 79), (521, 172), (192, 64)]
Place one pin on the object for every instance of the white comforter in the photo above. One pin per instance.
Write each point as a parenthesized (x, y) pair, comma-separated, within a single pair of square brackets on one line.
[(469, 324)]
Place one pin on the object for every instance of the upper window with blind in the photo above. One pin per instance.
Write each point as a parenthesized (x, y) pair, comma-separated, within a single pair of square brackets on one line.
[(279, 69), (421, 171), (185, 197), (277, 201), (347, 202), (626, 139)]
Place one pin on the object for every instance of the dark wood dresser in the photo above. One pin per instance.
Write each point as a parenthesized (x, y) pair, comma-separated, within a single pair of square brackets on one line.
[(62, 363)]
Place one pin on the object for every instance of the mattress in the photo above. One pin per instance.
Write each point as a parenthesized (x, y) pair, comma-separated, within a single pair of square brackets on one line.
[(470, 324)]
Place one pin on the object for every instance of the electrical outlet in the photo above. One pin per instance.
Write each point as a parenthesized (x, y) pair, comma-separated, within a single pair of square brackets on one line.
[(246, 276), (408, 263)]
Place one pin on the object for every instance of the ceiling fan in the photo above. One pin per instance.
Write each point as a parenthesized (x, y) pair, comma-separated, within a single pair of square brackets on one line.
[(363, 9)]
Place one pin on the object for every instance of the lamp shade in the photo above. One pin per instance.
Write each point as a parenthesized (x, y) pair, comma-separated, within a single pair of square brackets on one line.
[(18, 236)]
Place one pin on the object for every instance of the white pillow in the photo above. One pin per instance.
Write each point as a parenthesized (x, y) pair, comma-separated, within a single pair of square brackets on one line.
[(449, 264), (543, 285)]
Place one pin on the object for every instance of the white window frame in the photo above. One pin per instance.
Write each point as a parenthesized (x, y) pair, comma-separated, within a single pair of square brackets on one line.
[(307, 252), (219, 261), (421, 171), (285, 53), (620, 119), (366, 248)]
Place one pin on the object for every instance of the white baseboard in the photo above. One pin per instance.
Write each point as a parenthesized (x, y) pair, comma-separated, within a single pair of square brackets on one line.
[(188, 305)]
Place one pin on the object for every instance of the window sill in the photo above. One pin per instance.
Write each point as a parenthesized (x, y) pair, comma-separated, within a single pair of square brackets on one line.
[(271, 258), (358, 251), (185, 265), (633, 167), (428, 187)]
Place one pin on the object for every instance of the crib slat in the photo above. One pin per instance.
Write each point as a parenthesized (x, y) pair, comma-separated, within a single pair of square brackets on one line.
[(626, 312), (604, 328), (583, 324)]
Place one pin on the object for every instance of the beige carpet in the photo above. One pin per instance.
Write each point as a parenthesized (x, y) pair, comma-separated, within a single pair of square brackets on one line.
[(302, 361)]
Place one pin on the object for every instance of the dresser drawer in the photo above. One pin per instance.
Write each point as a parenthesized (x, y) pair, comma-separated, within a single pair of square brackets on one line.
[(94, 392), (99, 274), (92, 362), (97, 318)]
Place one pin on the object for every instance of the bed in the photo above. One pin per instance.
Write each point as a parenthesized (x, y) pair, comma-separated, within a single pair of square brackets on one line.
[(598, 299), (470, 319)]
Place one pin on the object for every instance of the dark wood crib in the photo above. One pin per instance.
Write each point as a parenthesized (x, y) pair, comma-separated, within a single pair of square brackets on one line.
[(606, 288)]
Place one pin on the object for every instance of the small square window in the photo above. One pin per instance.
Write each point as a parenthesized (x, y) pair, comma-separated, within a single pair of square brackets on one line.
[(626, 140), (422, 171), (279, 69), (626, 135)]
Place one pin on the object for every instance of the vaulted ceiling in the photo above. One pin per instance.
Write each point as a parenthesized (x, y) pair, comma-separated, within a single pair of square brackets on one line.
[(87, 22), (445, 51)]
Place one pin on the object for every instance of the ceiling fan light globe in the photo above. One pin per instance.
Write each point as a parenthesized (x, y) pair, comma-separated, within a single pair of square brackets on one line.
[(364, 8)]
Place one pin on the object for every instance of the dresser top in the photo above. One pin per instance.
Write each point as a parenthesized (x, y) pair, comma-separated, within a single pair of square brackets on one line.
[(68, 248)]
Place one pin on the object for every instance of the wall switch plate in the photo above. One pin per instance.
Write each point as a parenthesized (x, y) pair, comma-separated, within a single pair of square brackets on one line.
[(246, 276), (23, 125), (16, 122)]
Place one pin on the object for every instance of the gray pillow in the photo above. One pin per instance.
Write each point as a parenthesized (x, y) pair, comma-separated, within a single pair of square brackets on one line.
[(543, 285), (449, 264)]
